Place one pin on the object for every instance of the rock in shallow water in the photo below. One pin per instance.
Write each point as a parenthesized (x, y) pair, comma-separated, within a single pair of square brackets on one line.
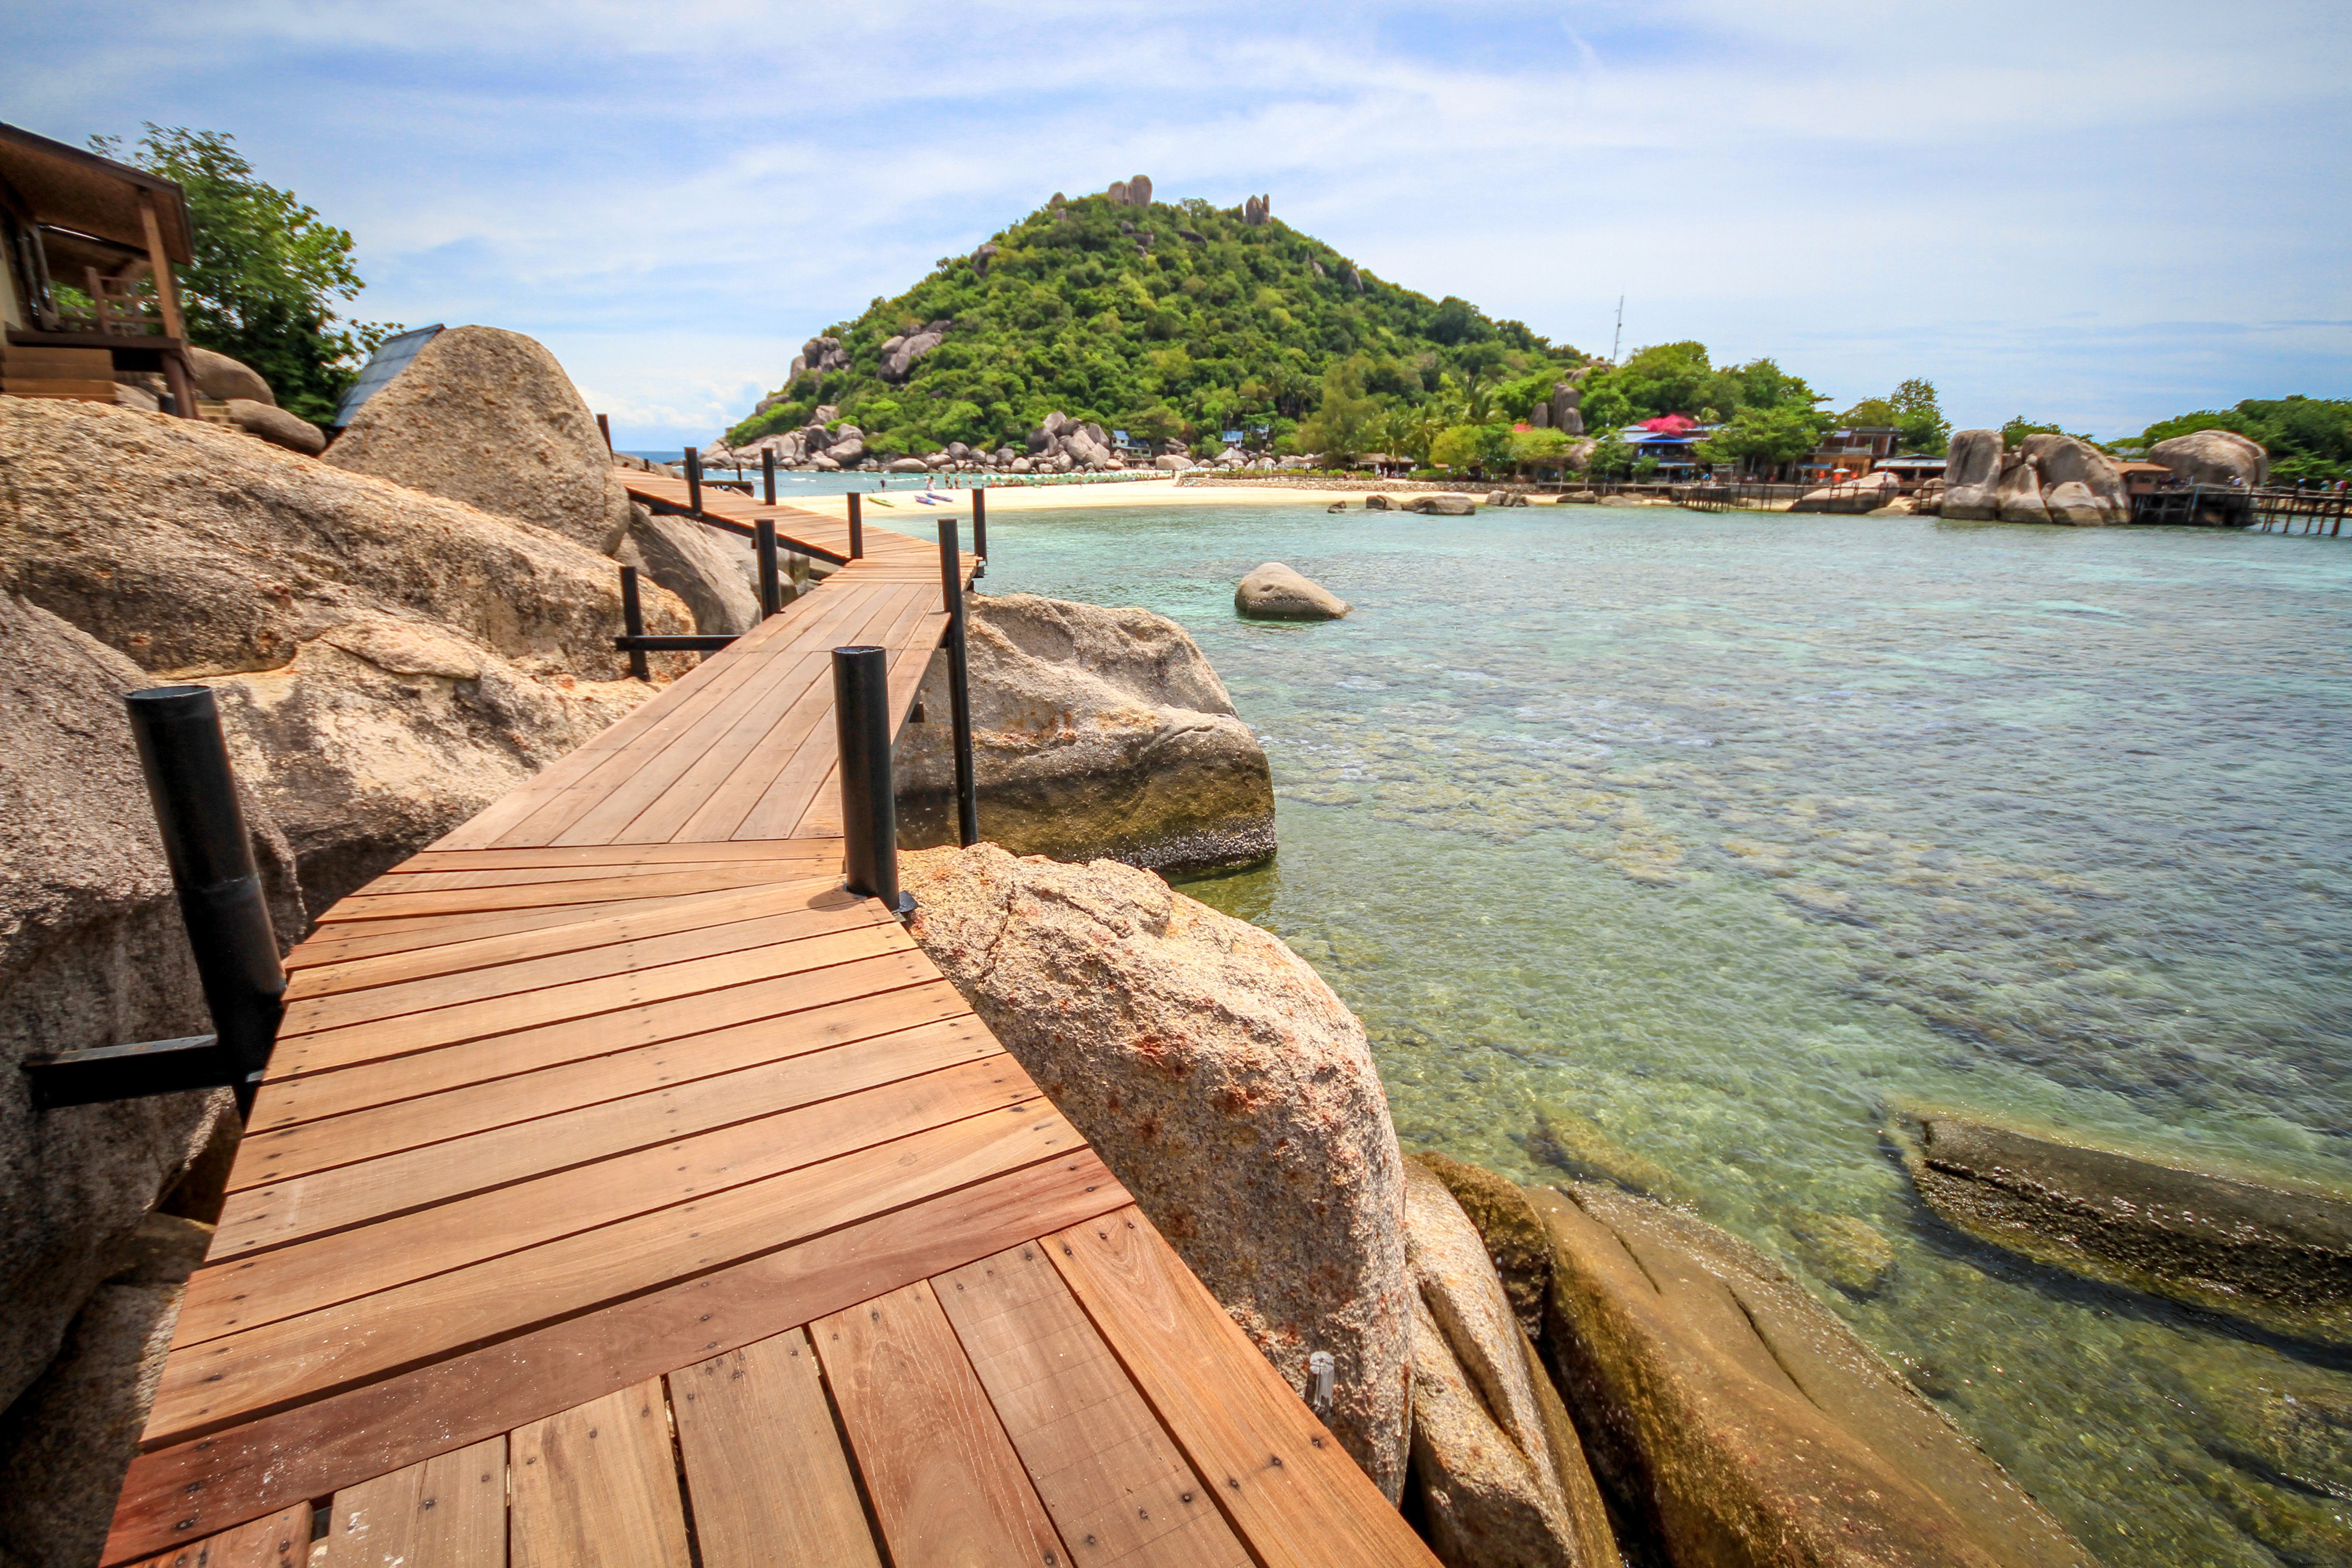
[(1501, 1474), (1224, 1083), (2274, 1255), (1739, 1423), (1096, 733), (1275, 592)]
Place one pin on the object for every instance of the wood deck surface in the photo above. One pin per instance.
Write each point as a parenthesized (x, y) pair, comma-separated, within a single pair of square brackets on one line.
[(622, 1191)]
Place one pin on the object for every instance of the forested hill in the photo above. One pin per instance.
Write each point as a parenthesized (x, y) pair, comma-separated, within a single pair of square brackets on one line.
[(1163, 318)]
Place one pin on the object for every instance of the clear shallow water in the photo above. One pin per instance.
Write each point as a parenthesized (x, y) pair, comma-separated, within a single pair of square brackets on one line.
[(1689, 849)]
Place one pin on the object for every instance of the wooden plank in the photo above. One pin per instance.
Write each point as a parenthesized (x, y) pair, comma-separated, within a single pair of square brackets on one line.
[(378, 1038), (595, 1487), (368, 906), (1117, 1484), (414, 933), (1283, 1482), (795, 1012), (947, 1487), (229, 1295), (599, 929), (449, 1512), (579, 855), (281, 1540), (215, 1385), (304, 1147), (512, 971), (763, 1464), (194, 1488)]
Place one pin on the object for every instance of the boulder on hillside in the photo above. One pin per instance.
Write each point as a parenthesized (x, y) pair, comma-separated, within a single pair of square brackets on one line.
[(1174, 463), (1500, 1473), (1972, 474), (92, 953), (1096, 733), (2214, 457), (390, 662), (2271, 1254), (1737, 1423), (709, 572), (227, 380), (1229, 1089), (1441, 503), (489, 418), (274, 424), (1275, 592)]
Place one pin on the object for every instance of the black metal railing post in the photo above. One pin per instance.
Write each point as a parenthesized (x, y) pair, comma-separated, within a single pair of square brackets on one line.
[(980, 521), (959, 683), (633, 623), (771, 594), (694, 481), (605, 429), (869, 810), (856, 527), (185, 758), (768, 475)]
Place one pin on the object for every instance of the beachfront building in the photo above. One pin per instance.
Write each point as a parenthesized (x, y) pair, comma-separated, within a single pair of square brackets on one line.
[(1911, 472), (1856, 449), (89, 295)]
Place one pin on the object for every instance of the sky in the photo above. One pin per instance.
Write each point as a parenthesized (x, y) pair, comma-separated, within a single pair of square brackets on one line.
[(2094, 213)]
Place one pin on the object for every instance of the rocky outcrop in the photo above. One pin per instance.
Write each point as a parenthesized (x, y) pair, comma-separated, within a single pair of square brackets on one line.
[(1441, 503), (1096, 733), (900, 353), (1501, 1474), (1256, 211), (92, 953), (1852, 498), (1134, 192), (711, 575), (1224, 1082), (1971, 473), (1516, 1242), (227, 380), (1738, 1423), (2213, 457), (2272, 1255), (274, 424), (67, 1443), (1275, 592), (489, 418), (389, 661), (2017, 497)]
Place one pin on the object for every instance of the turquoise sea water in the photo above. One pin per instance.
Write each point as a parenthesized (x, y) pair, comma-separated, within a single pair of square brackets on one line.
[(1688, 850)]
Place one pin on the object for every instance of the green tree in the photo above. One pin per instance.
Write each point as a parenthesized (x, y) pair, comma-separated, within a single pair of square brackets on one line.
[(1752, 436), (1472, 447), (1920, 418), (1613, 454), (267, 273), (1527, 448), (1347, 422)]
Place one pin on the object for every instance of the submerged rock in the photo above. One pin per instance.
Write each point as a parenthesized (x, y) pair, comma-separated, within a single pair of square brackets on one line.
[(1725, 1411), (1441, 503), (1275, 592), (488, 417), (1096, 732), (2277, 1256), (1500, 1472), (1225, 1084)]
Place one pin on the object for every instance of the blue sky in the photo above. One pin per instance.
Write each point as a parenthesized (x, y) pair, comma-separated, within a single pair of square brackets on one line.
[(2094, 213)]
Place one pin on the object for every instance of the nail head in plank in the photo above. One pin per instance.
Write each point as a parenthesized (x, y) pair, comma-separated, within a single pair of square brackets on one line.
[(448, 1513)]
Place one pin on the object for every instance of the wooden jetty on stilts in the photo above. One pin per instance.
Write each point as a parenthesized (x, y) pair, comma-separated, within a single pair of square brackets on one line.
[(624, 1190)]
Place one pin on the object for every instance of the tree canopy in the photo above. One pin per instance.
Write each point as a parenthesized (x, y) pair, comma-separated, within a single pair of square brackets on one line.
[(1678, 378), (1912, 411), (1174, 320), (2308, 438), (267, 274)]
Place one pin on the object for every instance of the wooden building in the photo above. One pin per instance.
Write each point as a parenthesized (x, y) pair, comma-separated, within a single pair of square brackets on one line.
[(89, 247)]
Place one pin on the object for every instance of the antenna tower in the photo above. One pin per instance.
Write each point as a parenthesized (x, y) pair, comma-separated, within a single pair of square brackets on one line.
[(1618, 341)]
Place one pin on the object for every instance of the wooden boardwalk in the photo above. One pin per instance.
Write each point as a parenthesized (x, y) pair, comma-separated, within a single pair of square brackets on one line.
[(624, 1192)]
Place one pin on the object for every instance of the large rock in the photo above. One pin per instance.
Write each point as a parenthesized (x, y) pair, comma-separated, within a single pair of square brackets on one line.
[(2067, 461), (1501, 1475), (2213, 457), (2018, 497), (390, 662), (1855, 497), (92, 953), (2074, 503), (2272, 1255), (1441, 503), (1224, 1082), (488, 417), (274, 424), (1096, 733), (227, 380), (1972, 474), (1275, 592), (1516, 1242), (67, 1443), (707, 571), (1741, 1425)]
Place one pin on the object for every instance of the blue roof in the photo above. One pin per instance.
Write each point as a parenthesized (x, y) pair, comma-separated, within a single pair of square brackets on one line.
[(391, 357)]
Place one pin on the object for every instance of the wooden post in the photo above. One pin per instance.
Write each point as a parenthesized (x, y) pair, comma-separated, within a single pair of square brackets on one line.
[(167, 290)]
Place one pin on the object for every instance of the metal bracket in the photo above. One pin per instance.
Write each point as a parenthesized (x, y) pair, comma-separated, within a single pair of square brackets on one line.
[(105, 1073)]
